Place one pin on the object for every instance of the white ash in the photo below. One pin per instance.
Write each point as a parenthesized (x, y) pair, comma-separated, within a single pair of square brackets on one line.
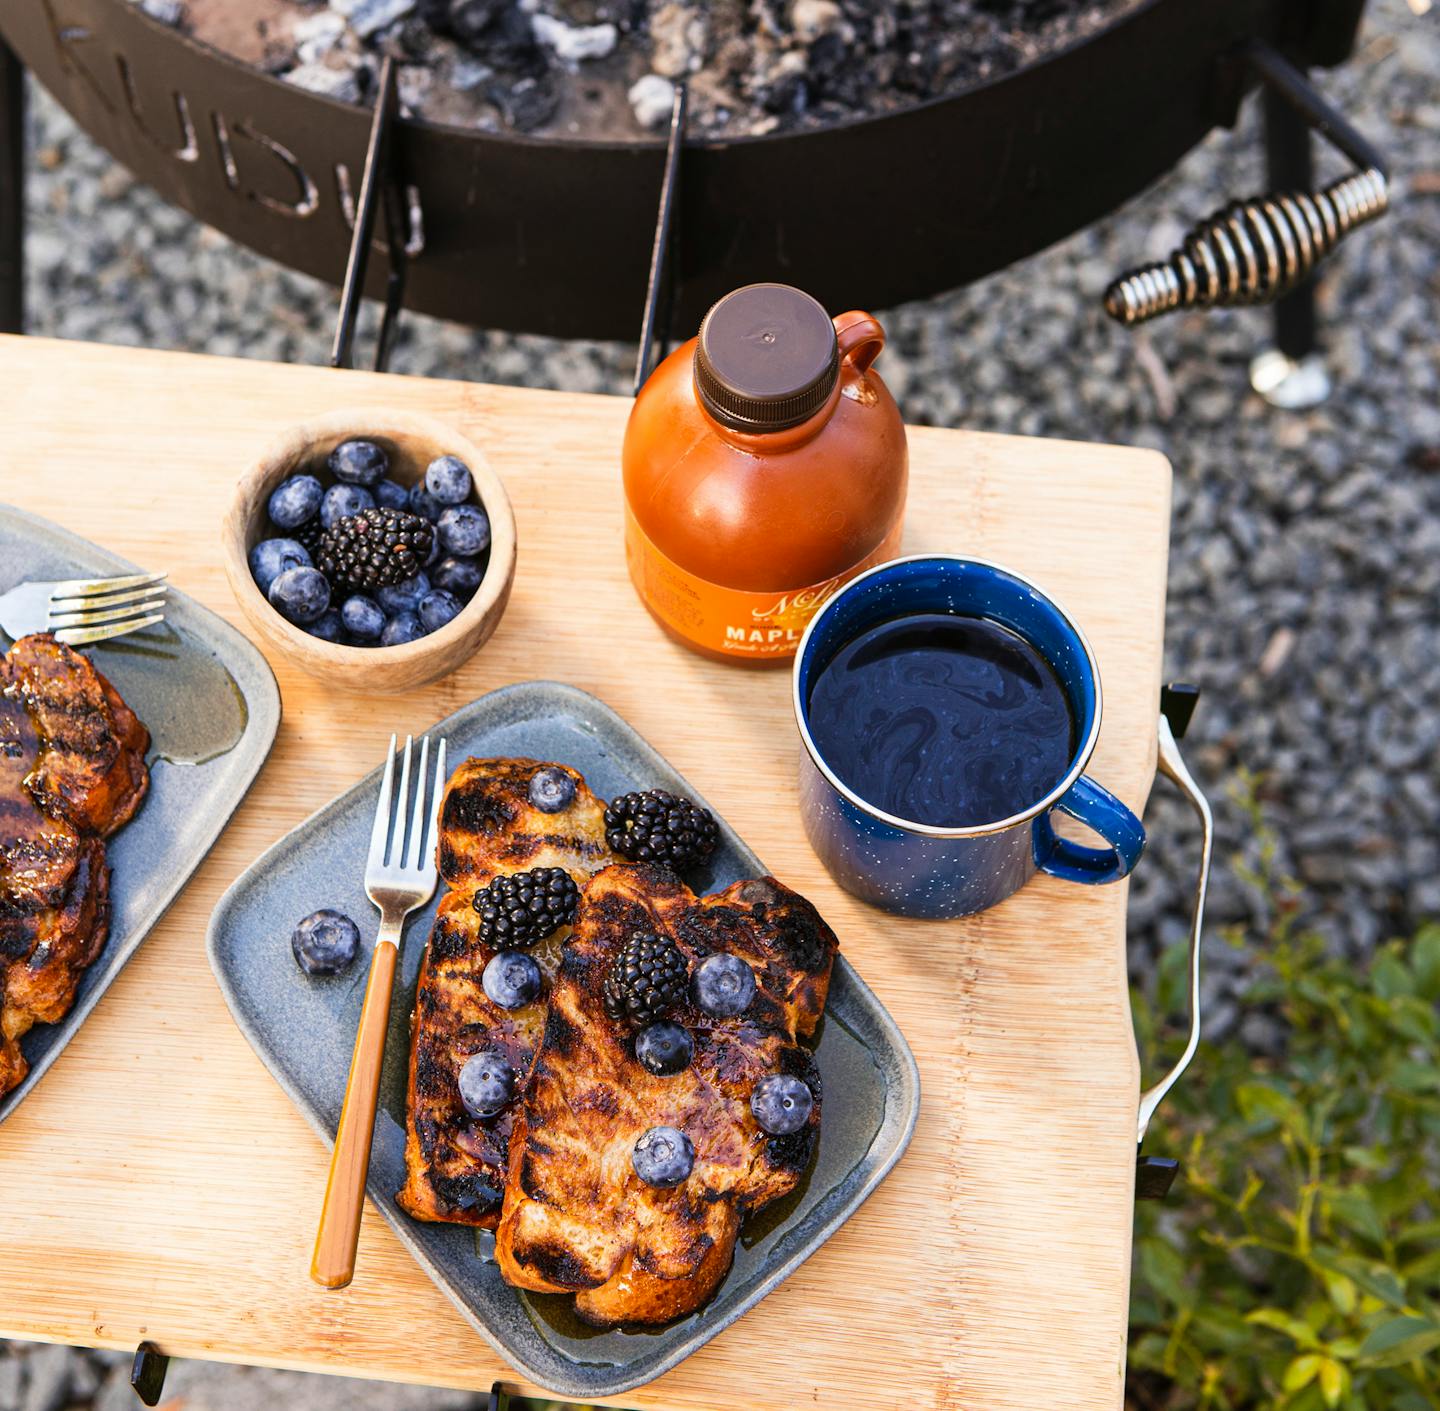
[(367, 17), (316, 35), (331, 81), (573, 44), (653, 99), (168, 12)]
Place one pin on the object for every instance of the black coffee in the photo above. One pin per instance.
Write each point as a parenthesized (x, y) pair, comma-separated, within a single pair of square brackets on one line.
[(946, 720)]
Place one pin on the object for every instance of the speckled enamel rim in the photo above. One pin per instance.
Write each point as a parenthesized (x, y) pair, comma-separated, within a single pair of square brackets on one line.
[(928, 830)]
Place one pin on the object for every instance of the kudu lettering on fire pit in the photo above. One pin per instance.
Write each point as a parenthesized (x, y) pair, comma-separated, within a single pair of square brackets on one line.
[(254, 165)]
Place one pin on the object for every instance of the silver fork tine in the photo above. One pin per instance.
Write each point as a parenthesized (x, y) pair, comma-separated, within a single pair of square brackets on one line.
[(397, 846), (83, 636), (103, 616), (96, 601), (381, 829), (414, 837), (86, 587), (434, 833)]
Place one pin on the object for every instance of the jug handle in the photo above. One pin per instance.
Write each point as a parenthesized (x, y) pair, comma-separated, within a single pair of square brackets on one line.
[(861, 340)]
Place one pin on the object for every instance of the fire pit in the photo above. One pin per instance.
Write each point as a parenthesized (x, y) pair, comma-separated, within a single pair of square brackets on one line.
[(554, 235), (592, 70)]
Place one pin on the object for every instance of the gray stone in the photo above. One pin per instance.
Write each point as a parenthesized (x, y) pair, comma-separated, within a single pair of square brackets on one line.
[(12, 1377), (49, 1369)]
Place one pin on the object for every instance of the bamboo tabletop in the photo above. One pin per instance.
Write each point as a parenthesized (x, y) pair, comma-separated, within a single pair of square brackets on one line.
[(158, 1184)]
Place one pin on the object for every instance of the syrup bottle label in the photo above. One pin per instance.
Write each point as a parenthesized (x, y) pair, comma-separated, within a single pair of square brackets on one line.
[(732, 621)]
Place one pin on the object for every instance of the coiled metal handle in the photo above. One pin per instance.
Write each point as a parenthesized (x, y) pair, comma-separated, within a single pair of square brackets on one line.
[(1251, 252)]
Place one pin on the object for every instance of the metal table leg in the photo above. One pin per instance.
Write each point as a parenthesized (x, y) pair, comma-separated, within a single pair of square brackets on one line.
[(1292, 373), (12, 192)]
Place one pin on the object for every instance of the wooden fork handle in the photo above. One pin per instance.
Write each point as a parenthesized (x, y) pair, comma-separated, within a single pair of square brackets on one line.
[(334, 1263)]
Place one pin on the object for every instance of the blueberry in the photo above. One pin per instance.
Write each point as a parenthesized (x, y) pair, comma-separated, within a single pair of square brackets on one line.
[(465, 530), (342, 500), (301, 594), (552, 789), (363, 618), (423, 503), (664, 1048), (294, 501), (391, 495), (327, 627), (448, 480), (403, 627), (459, 576), (487, 1084), (781, 1104), (403, 596), (325, 943), (511, 979), (663, 1157), (271, 557), (437, 608), (358, 462), (724, 986)]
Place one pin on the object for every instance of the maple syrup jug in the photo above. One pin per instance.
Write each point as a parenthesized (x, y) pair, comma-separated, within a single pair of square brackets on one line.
[(765, 465)]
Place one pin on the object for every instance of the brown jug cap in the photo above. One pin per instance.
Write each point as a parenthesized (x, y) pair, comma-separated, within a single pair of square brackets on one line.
[(766, 358)]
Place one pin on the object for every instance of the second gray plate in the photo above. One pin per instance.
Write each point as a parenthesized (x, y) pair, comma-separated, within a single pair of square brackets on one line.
[(212, 708), (304, 1030)]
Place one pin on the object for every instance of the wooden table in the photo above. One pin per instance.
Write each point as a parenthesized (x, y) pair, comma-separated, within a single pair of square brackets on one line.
[(158, 1185)]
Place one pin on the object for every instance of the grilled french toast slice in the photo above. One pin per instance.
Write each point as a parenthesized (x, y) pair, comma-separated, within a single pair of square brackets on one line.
[(72, 770), (576, 1217), (455, 1163)]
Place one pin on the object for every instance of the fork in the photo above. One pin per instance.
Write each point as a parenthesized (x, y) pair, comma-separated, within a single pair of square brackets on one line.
[(399, 876), (82, 610)]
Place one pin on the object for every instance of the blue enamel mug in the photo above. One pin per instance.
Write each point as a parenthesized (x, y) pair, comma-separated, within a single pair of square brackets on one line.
[(919, 869)]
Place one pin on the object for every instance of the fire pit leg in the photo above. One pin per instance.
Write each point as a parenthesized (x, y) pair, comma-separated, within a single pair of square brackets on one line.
[(12, 192), (1292, 373), (379, 196), (660, 290)]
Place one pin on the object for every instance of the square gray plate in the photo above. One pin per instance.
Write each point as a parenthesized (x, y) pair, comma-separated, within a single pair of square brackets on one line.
[(304, 1029), (212, 708)]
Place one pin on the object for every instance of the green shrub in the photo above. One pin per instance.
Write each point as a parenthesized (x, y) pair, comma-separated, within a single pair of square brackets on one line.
[(1296, 1262)]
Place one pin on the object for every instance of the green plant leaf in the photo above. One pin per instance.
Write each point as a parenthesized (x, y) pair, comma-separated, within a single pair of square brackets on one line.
[(1282, 1322), (1400, 1340), (1341, 1290), (1425, 962), (1259, 1102), (1301, 1372), (1390, 976), (1164, 1270), (1375, 1279), (1356, 1209), (1334, 1380)]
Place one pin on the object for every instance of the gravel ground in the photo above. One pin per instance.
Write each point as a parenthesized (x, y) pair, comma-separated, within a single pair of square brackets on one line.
[(1305, 570)]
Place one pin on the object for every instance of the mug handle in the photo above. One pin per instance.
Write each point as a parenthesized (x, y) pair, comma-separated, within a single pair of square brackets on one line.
[(1099, 809)]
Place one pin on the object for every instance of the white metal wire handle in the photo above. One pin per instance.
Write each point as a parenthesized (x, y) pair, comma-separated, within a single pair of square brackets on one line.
[(1172, 766)]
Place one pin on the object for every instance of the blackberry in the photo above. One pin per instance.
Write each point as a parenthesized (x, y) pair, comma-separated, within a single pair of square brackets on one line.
[(656, 826), (647, 980), (525, 907), (374, 548), (309, 535)]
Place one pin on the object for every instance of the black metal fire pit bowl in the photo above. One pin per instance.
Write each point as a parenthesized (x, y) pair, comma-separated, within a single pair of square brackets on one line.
[(555, 237)]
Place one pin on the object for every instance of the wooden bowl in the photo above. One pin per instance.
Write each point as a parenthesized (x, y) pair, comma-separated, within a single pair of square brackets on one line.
[(411, 442)]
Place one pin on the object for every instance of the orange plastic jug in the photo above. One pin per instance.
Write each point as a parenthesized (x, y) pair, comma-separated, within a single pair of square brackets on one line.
[(765, 464)]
